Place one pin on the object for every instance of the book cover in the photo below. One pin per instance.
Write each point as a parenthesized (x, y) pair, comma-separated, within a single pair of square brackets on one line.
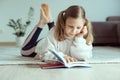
[(56, 65)]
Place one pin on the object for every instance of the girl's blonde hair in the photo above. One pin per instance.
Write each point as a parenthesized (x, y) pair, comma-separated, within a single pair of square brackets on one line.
[(74, 12)]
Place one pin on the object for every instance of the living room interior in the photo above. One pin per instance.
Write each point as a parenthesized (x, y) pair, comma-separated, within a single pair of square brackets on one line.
[(105, 18)]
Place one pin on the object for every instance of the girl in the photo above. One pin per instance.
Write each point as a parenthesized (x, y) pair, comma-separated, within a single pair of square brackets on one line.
[(71, 37)]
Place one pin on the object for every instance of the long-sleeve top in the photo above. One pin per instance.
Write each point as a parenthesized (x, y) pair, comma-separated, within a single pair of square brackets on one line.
[(74, 47)]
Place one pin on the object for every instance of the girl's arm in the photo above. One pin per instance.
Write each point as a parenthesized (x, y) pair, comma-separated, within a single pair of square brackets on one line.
[(42, 49), (80, 50)]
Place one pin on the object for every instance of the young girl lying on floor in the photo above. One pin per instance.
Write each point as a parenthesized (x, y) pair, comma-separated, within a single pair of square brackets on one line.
[(71, 37)]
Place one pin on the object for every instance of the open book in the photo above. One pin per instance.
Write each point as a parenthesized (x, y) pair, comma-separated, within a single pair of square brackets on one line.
[(62, 63)]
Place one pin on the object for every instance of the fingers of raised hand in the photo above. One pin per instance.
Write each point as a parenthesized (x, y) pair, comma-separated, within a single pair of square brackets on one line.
[(85, 30)]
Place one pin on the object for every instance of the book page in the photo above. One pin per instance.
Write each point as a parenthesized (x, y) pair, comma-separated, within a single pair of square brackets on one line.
[(78, 64)]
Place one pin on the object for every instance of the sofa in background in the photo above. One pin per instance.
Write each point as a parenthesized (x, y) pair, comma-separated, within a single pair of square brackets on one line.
[(106, 33), (115, 19)]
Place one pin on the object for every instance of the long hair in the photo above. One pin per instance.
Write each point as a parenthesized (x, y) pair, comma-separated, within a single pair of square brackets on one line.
[(74, 12)]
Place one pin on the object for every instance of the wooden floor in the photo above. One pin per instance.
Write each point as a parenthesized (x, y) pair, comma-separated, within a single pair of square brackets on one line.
[(34, 72)]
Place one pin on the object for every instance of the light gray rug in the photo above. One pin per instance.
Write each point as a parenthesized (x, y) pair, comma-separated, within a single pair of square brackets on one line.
[(100, 55), (105, 54)]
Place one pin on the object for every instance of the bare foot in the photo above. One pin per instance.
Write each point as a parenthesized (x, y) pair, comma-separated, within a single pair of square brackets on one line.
[(45, 16), (46, 10)]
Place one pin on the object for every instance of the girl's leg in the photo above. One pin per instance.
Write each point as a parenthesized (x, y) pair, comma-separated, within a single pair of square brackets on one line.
[(28, 48)]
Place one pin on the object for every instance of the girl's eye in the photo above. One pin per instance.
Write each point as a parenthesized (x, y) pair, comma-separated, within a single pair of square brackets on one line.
[(78, 27), (71, 26)]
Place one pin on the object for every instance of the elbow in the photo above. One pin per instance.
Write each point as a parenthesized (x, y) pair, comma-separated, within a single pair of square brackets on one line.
[(86, 57), (83, 56)]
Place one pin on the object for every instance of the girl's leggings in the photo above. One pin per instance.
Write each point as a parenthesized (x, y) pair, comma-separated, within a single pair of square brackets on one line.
[(28, 48)]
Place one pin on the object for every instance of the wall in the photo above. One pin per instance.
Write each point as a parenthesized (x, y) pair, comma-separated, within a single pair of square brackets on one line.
[(97, 10)]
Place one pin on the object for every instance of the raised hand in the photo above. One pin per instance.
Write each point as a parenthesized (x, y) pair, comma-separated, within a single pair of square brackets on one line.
[(83, 32)]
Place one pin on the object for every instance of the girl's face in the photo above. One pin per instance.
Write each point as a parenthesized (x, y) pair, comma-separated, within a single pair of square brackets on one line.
[(73, 26)]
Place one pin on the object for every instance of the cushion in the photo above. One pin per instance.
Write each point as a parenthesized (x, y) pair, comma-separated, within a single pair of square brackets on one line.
[(113, 18), (105, 33)]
